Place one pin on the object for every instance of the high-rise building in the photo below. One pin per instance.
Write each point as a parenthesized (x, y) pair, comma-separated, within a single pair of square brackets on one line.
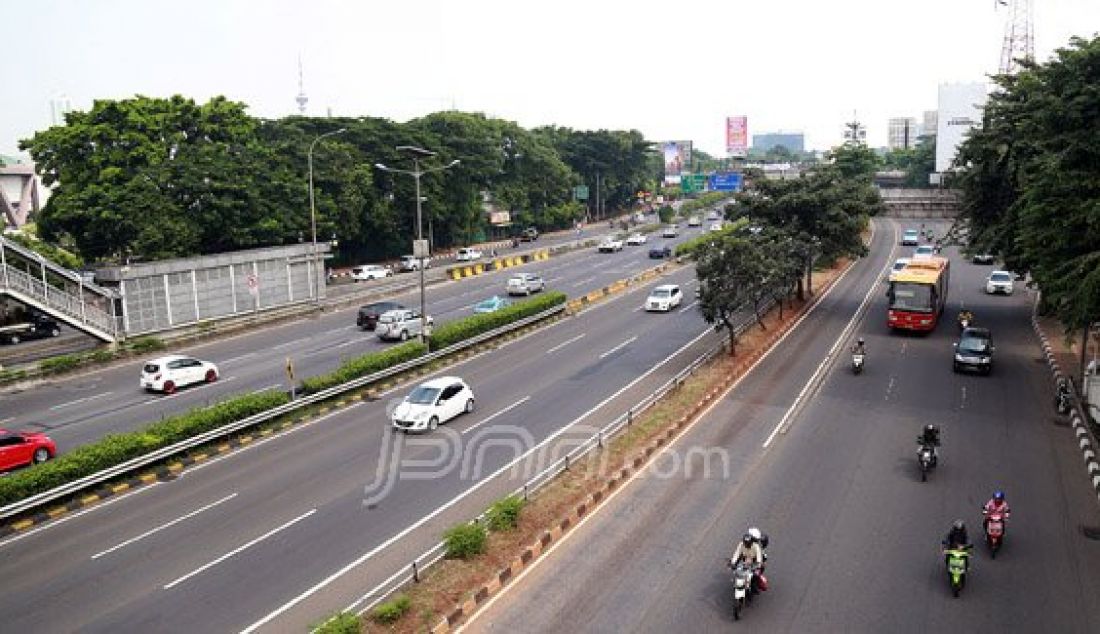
[(960, 110), (793, 141), (59, 106), (902, 133), (928, 126)]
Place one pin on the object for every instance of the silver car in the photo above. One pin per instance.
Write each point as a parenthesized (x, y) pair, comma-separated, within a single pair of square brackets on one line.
[(525, 284), (400, 324)]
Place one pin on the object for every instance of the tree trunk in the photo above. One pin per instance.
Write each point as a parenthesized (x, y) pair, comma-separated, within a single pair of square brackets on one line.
[(756, 313), (780, 302), (733, 336), (799, 292)]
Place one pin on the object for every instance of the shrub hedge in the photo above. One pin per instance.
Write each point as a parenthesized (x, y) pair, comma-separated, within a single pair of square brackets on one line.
[(364, 365), (392, 610), (503, 515), (62, 363), (465, 540), (342, 623), (453, 332), (118, 448)]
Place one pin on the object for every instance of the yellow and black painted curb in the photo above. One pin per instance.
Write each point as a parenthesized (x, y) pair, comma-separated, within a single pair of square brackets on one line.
[(578, 304), (496, 264)]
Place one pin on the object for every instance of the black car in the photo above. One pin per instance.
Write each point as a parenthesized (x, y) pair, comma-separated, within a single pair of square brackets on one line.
[(658, 253), (368, 315), (36, 326), (974, 351)]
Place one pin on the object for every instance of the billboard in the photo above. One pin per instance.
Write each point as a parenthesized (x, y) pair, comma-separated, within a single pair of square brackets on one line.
[(677, 156), (725, 182), (737, 135), (960, 110)]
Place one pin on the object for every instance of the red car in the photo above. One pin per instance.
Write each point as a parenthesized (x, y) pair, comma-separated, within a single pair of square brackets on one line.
[(19, 448)]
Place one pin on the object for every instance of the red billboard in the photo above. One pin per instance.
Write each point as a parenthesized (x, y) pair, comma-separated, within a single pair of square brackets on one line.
[(737, 135)]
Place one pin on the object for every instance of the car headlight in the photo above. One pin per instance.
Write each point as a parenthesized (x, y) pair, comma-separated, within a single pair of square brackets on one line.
[(958, 357), (983, 359)]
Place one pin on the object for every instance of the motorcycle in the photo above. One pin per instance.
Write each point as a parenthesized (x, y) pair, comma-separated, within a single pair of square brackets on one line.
[(857, 362), (926, 456), (1061, 399), (742, 587), (994, 532), (956, 567)]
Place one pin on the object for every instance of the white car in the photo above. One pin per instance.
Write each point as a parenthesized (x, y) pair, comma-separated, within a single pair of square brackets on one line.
[(716, 226), (899, 264), (168, 374), (670, 231), (400, 324), (610, 245), (370, 272), (412, 263), (712, 215), (664, 298), (999, 282), (434, 402), (636, 239), (923, 252), (525, 284), (910, 238), (695, 221), (468, 255)]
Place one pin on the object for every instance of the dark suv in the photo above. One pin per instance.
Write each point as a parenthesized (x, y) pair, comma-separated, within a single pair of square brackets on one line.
[(368, 315), (974, 351)]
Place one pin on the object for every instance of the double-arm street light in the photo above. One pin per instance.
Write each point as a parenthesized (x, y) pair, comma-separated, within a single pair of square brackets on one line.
[(313, 217), (420, 249)]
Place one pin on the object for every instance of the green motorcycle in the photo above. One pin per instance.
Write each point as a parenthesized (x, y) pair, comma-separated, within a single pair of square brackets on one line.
[(957, 565)]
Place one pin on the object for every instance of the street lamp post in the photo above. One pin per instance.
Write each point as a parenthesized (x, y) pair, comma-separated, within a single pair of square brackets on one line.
[(417, 154), (313, 217)]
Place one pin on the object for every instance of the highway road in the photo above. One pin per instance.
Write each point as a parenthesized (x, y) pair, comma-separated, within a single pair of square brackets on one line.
[(279, 534), (854, 532), (78, 409)]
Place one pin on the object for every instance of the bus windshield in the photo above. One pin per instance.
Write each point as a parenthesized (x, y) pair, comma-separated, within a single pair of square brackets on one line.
[(911, 297)]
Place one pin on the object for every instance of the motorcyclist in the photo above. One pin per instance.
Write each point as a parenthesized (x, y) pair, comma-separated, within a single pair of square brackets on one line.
[(859, 347), (996, 504), (749, 552), (956, 539), (967, 316), (930, 437)]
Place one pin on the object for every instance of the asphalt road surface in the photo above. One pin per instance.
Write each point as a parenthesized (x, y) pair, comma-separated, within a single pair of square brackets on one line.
[(75, 410), (854, 532), (277, 535)]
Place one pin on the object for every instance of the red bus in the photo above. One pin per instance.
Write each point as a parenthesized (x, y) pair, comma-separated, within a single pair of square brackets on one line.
[(918, 294)]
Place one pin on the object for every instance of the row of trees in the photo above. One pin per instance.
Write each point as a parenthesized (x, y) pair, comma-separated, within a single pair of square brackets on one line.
[(1031, 183), (783, 229), (156, 178)]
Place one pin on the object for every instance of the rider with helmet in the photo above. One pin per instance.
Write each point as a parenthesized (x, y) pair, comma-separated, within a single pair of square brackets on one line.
[(996, 504), (956, 538), (750, 552), (859, 347), (930, 437)]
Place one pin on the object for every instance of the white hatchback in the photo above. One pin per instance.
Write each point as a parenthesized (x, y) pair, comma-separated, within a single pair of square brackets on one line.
[(434, 402), (664, 298), (167, 374), (467, 255)]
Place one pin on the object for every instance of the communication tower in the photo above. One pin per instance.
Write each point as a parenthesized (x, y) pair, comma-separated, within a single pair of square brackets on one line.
[(302, 99), (1019, 40)]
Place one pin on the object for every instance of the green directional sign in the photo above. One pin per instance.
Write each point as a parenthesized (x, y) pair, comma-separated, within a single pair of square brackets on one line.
[(580, 192), (692, 183)]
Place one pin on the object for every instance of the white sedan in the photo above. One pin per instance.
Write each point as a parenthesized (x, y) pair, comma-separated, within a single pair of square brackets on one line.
[(610, 245), (168, 374), (434, 402), (370, 272), (636, 239), (468, 255)]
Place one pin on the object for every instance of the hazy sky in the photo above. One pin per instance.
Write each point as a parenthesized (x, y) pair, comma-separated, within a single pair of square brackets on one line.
[(672, 69)]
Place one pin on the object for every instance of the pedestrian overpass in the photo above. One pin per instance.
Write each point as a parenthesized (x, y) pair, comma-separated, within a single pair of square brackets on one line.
[(29, 278)]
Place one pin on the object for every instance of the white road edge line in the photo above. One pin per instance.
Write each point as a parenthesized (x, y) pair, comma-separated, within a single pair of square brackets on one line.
[(80, 400), (840, 339), (503, 411), (238, 549), (620, 346), (688, 307), (427, 518), (565, 343), (73, 516), (238, 357), (163, 526), (265, 388)]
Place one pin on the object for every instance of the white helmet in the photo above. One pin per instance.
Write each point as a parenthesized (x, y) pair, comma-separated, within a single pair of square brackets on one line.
[(755, 532)]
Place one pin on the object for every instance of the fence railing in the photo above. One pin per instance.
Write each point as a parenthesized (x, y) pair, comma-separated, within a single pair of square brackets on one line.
[(75, 307)]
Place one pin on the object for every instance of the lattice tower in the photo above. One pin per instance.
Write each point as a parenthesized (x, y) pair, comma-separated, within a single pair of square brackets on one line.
[(1019, 42)]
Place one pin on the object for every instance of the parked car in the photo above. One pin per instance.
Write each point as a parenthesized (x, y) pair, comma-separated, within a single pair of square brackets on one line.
[(412, 263), (910, 238), (664, 298), (21, 448), (999, 282), (370, 272), (367, 319), (671, 231), (982, 258), (663, 251), (468, 255), (636, 238), (525, 284), (400, 324), (492, 304), (899, 264), (35, 326), (974, 350), (530, 234), (169, 373), (610, 245), (923, 252), (433, 402), (695, 221)]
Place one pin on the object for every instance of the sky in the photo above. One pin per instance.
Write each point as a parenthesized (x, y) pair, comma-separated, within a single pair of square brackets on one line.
[(673, 70)]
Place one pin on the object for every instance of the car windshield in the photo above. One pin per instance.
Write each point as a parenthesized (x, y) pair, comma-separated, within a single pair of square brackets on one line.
[(151, 368), (910, 233), (899, 265), (424, 395), (517, 280), (974, 344), (925, 249), (1000, 277), (661, 292), (388, 318), (912, 297)]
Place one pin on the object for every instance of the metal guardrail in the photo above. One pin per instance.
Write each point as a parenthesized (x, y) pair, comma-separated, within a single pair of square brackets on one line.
[(134, 464), (411, 573)]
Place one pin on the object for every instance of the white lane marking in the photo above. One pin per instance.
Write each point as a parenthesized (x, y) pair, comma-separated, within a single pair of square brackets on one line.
[(266, 388), (583, 282), (688, 307), (4, 421), (461, 496), (565, 343), (163, 526), (638, 309), (551, 280), (503, 411), (73, 516), (962, 405), (238, 549), (284, 345), (829, 356), (619, 347), (889, 389), (80, 400), (237, 358)]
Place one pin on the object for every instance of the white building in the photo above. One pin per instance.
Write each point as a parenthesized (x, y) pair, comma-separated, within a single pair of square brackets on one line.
[(59, 107), (902, 133), (960, 110)]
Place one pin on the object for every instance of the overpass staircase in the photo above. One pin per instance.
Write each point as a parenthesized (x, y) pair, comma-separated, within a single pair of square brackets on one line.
[(59, 292)]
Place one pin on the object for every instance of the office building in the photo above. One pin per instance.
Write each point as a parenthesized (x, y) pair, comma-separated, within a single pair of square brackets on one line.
[(793, 141), (902, 133)]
